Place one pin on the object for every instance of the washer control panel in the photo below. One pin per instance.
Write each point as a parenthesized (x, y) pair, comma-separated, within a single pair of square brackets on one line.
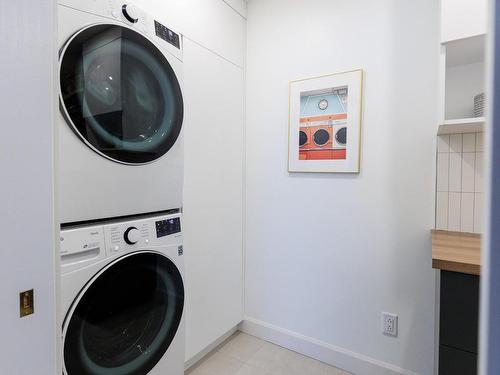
[(123, 235), (142, 233), (82, 245)]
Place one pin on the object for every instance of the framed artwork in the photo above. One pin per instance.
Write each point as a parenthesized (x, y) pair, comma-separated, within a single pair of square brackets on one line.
[(325, 123)]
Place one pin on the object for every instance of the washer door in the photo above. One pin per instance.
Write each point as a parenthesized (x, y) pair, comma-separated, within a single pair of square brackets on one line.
[(126, 318), (120, 94)]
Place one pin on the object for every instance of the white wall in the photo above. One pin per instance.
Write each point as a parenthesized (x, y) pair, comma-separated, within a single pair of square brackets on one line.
[(214, 54), (238, 5), (30, 344), (326, 254), (463, 18)]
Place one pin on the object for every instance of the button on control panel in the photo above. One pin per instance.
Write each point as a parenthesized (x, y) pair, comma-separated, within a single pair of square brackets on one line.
[(167, 227)]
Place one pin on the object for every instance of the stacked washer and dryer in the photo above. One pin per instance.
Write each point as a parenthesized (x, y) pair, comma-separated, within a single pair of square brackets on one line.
[(120, 178)]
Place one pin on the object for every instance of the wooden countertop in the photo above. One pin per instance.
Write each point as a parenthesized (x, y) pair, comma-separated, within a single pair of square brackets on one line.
[(457, 252)]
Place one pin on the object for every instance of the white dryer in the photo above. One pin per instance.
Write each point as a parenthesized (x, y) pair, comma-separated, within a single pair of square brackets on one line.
[(121, 111), (123, 297)]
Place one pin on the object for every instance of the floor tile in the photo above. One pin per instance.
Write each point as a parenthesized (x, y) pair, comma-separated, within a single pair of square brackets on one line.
[(250, 370), (266, 357), (242, 346), (243, 354), (218, 364)]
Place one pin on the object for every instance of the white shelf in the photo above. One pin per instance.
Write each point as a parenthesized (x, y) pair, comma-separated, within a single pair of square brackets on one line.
[(463, 125)]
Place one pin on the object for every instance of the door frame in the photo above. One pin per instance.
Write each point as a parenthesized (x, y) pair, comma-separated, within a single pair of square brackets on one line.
[(490, 273)]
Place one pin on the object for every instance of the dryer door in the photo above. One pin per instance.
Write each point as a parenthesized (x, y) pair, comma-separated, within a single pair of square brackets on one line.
[(119, 94), (125, 319)]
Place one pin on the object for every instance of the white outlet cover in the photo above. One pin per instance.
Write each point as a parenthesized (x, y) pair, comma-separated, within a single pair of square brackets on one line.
[(389, 324)]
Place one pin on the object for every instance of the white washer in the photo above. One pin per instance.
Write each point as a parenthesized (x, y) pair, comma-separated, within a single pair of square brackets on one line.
[(121, 111), (123, 297)]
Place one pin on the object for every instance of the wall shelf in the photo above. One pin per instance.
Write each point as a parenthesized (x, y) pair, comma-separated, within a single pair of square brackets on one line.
[(464, 125), (462, 77)]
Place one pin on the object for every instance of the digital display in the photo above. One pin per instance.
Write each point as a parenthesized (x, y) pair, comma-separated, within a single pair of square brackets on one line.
[(168, 35), (168, 227)]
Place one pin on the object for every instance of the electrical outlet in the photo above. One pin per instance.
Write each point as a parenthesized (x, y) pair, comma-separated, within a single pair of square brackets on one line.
[(26, 303), (389, 324)]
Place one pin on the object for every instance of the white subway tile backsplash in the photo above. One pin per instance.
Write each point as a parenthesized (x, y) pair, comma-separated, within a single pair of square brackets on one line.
[(443, 143), (454, 215), (469, 142), (467, 213), (443, 164), (442, 210), (456, 143), (468, 175), (455, 172), (478, 173), (479, 142), (459, 182), (478, 212)]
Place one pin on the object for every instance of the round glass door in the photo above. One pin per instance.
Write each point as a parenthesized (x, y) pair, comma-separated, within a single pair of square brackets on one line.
[(124, 322), (120, 94)]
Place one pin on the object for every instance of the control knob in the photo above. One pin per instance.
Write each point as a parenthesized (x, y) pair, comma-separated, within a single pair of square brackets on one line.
[(131, 235), (130, 12)]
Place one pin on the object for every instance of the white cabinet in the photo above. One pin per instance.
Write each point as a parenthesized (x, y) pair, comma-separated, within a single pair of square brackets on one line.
[(462, 19), (213, 196), (462, 62), (214, 52)]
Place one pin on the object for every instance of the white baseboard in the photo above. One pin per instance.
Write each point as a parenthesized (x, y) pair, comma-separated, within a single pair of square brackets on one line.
[(191, 362), (347, 360)]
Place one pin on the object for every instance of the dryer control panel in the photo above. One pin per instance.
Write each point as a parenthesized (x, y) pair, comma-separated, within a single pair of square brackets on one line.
[(131, 15)]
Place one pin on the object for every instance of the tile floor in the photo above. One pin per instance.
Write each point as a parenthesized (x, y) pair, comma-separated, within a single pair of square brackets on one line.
[(243, 354)]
